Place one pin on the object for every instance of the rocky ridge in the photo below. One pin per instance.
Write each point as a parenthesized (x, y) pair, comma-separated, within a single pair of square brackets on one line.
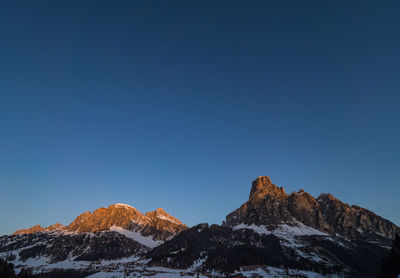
[(157, 224), (38, 229), (269, 206)]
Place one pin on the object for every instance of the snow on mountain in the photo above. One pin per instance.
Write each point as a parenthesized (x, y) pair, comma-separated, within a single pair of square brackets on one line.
[(137, 236), (123, 205), (163, 217)]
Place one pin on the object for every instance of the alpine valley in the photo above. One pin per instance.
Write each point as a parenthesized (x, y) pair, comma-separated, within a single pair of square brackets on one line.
[(273, 234)]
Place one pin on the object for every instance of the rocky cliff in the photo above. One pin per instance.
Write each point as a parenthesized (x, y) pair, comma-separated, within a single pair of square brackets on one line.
[(269, 206)]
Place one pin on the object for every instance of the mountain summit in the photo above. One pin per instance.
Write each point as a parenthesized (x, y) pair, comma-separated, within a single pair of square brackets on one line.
[(263, 186)]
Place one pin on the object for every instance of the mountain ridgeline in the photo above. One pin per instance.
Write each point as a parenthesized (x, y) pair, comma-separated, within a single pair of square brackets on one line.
[(270, 205), (287, 234), (158, 224)]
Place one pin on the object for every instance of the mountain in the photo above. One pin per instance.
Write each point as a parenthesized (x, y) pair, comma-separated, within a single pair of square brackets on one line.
[(273, 234), (292, 232), (115, 232), (158, 224), (269, 205)]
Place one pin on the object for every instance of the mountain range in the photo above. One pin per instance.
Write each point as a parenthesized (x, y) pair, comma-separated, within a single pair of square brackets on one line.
[(273, 233)]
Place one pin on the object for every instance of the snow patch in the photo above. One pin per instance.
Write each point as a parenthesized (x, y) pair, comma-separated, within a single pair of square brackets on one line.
[(283, 230), (278, 272), (262, 230), (147, 241), (106, 275), (123, 205)]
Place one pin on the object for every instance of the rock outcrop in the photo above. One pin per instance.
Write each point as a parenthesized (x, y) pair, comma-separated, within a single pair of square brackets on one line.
[(269, 205), (32, 230)]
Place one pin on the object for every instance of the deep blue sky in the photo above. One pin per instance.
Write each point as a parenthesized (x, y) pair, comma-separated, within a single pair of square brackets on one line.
[(181, 105)]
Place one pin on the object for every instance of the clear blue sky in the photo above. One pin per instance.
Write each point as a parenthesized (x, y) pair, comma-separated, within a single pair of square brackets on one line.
[(181, 105)]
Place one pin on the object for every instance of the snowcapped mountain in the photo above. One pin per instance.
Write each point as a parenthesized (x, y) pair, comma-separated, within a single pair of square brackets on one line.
[(273, 234), (122, 218), (110, 233), (158, 224)]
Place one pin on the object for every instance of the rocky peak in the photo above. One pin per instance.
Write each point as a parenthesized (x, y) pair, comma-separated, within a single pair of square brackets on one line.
[(325, 196), (55, 227), (101, 219), (263, 186), (270, 205), (40, 229), (32, 230), (160, 215)]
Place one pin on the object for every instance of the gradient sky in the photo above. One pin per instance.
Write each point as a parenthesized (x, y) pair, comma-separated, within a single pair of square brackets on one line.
[(181, 105)]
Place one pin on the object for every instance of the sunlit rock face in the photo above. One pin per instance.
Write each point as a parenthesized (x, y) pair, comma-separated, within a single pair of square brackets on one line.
[(38, 228), (103, 218), (269, 205), (34, 229), (163, 225), (158, 223)]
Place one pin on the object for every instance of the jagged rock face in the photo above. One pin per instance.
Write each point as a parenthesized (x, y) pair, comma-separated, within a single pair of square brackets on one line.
[(38, 229), (304, 208), (55, 227), (353, 220), (103, 218), (266, 205), (263, 186), (163, 225), (269, 205), (34, 229)]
